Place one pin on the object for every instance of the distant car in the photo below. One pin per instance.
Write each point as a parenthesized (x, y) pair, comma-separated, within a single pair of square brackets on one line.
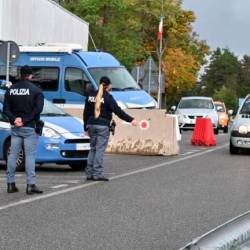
[(63, 140), (223, 115), (192, 107), (240, 130)]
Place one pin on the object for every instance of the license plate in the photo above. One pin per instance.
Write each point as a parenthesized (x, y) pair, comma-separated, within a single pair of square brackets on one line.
[(83, 146)]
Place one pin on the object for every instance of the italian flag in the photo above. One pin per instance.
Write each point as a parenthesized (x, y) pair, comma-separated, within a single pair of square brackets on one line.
[(160, 31)]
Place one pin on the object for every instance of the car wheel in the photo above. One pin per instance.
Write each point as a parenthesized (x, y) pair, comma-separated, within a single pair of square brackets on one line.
[(225, 130), (79, 165), (20, 163), (233, 150), (216, 131)]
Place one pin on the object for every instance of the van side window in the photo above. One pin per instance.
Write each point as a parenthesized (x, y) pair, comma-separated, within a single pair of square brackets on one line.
[(75, 81), (47, 78)]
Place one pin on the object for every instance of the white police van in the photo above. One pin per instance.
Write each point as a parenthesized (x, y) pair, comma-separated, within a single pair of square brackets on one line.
[(65, 73)]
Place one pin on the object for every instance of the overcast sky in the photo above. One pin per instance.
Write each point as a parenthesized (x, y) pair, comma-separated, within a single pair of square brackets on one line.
[(223, 23)]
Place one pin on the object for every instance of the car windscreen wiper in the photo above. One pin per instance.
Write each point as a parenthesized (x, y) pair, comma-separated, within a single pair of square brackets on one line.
[(116, 89), (130, 88), (54, 114)]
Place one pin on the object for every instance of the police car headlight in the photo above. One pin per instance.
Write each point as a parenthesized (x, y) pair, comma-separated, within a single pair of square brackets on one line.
[(243, 129), (50, 133), (121, 105)]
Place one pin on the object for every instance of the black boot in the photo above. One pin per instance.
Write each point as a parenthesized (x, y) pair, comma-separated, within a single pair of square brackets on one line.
[(11, 188), (33, 189)]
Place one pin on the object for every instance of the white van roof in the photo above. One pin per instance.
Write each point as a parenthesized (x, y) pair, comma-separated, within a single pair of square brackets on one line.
[(51, 47)]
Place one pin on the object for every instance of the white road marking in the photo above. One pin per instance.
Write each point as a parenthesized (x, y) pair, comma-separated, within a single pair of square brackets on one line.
[(187, 153), (17, 175), (67, 190), (72, 181), (60, 186)]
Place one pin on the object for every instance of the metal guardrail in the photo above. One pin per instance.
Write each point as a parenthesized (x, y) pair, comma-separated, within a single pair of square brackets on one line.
[(232, 235)]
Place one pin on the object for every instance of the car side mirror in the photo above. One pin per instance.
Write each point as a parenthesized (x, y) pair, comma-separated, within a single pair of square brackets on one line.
[(230, 112), (173, 108)]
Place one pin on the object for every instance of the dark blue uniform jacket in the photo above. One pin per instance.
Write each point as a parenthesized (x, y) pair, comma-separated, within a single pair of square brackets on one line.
[(108, 106), (23, 99)]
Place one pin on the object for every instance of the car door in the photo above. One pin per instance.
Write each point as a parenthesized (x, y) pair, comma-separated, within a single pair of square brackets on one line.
[(4, 132)]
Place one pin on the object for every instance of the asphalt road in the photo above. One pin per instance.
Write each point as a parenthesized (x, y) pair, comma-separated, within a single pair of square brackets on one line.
[(150, 203)]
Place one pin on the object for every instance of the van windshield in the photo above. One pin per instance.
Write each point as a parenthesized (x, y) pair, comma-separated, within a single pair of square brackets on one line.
[(196, 104), (49, 109), (246, 107), (120, 78)]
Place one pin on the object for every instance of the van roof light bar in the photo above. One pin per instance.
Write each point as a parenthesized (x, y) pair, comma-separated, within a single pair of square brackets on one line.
[(51, 47)]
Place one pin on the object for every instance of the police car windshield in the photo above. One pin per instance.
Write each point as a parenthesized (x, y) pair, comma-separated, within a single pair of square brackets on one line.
[(196, 104), (120, 78), (50, 109)]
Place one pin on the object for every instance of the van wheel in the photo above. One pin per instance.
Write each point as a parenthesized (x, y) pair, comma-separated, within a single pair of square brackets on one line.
[(20, 163), (78, 166), (233, 150), (225, 130)]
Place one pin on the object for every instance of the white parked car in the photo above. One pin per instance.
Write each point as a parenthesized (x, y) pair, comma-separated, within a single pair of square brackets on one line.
[(192, 107), (240, 130)]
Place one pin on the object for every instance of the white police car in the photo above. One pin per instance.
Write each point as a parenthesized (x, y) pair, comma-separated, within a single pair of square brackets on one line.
[(63, 140)]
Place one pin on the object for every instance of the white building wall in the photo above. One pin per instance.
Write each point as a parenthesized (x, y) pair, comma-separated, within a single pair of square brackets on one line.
[(1, 14), (29, 22)]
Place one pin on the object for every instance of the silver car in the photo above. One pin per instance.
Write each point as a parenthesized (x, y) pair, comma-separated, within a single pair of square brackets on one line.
[(192, 107), (240, 130)]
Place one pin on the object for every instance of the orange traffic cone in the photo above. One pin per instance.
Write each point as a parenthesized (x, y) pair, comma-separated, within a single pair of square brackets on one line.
[(203, 134)]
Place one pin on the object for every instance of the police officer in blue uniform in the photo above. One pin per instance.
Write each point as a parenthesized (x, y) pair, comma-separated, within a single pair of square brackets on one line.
[(23, 103), (99, 106)]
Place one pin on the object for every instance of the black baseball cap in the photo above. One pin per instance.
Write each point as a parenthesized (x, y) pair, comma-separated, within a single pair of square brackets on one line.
[(26, 70), (105, 81)]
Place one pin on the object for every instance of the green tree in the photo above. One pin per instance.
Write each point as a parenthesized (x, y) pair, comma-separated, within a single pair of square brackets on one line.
[(112, 27), (244, 84), (228, 96), (223, 70)]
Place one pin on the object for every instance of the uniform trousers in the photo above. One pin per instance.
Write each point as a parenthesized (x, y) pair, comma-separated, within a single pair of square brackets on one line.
[(99, 136), (27, 137)]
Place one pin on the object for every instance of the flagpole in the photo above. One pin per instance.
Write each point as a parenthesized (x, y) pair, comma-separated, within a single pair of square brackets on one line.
[(159, 76), (160, 58)]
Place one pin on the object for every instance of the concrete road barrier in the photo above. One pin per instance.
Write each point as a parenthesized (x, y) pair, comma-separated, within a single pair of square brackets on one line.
[(156, 134)]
